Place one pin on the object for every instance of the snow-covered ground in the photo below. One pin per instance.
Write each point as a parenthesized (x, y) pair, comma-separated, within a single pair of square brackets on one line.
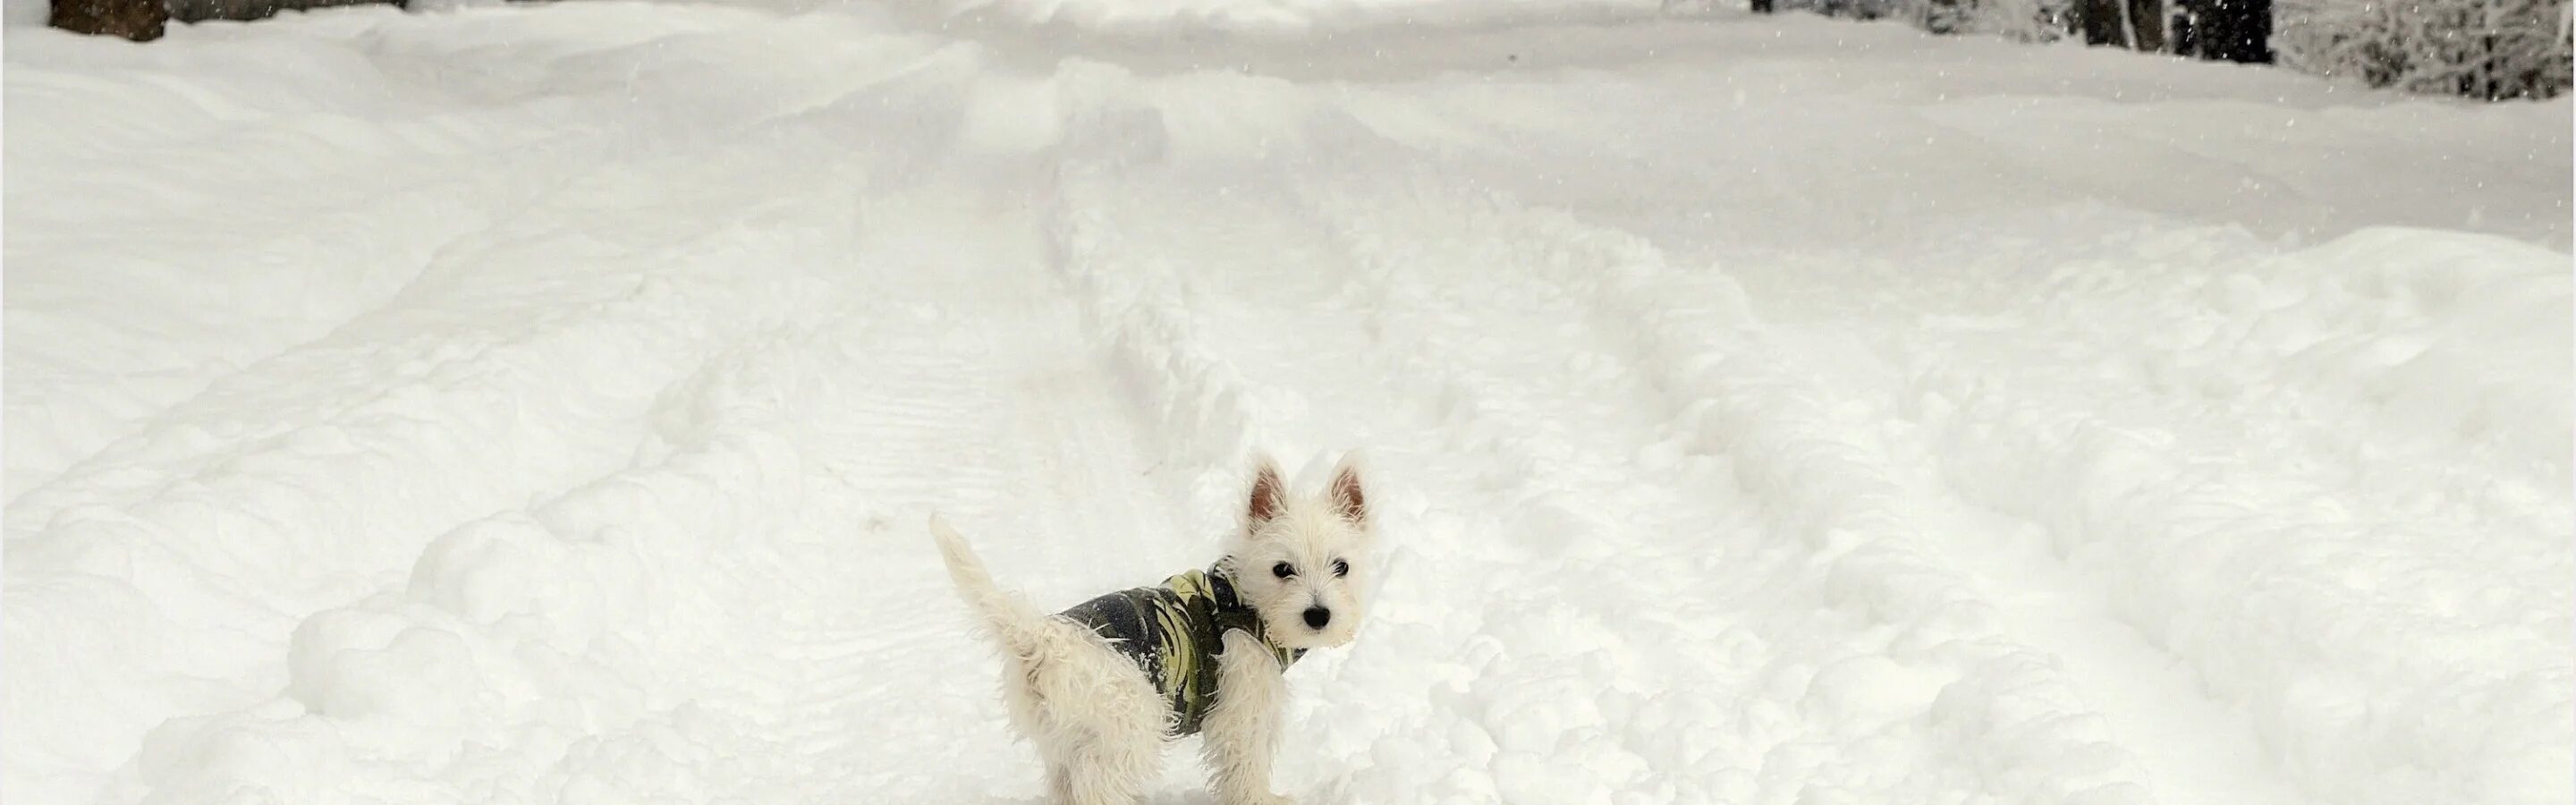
[(542, 404)]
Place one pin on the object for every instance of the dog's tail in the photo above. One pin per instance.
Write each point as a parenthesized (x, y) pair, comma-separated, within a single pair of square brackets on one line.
[(1011, 620)]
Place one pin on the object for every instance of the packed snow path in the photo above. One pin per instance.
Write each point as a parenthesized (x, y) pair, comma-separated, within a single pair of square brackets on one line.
[(543, 404)]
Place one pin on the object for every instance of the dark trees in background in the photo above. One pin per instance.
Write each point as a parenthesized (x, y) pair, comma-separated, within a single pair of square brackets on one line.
[(195, 10), (2100, 21), (2220, 30), (143, 20), (138, 20), (2229, 30), (2147, 25)]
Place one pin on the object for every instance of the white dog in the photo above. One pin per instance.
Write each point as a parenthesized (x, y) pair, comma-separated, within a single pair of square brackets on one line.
[(1100, 687)]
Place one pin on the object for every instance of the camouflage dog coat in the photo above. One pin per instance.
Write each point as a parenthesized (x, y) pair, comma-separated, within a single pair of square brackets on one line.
[(1175, 631)]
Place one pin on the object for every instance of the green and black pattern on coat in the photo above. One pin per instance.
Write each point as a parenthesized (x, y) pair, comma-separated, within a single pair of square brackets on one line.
[(1175, 632)]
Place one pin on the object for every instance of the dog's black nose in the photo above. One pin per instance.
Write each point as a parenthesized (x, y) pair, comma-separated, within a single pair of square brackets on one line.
[(1316, 617)]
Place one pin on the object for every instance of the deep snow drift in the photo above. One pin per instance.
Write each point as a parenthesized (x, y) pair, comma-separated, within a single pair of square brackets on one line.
[(541, 404)]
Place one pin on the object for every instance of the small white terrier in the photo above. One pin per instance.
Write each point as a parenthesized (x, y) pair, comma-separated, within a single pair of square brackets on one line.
[(1100, 687)]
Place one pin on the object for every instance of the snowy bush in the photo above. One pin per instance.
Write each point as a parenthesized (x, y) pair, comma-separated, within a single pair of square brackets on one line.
[(2486, 49), (1853, 9), (2490, 49), (2020, 20)]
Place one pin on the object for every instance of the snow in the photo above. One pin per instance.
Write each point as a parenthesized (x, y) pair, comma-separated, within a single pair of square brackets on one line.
[(542, 403)]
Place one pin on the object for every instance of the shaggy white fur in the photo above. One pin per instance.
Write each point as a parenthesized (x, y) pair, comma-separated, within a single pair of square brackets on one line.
[(1298, 561)]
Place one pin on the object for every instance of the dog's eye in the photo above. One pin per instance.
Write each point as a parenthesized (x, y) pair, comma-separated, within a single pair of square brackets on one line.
[(1283, 570), (1341, 568)]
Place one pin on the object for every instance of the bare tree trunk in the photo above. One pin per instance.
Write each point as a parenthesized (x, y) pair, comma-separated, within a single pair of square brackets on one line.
[(2101, 21), (2234, 30), (2146, 25), (2488, 88), (138, 20)]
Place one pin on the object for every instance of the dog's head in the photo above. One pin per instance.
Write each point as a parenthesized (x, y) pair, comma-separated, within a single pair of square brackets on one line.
[(1298, 560)]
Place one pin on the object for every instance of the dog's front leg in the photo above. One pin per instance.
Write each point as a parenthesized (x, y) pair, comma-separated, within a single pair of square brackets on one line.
[(1241, 733)]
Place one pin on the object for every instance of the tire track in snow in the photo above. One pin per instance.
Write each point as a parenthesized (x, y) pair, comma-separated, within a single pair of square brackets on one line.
[(1792, 759), (1837, 494), (2308, 623), (1116, 242), (448, 181), (769, 526), (2005, 709), (1204, 418), (1558, 553), (1040, 436), (2167, 698), (314, 457), (521, 630), (314, 450), (2112, 476), (2047, 685), (134, 574), (1659, 651), (127, 375)]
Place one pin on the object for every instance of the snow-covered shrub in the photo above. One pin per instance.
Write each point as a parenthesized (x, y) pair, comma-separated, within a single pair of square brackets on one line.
[(2490, 49), (2022, 20), (1853, 9), (2486, 49), (2019, 20)]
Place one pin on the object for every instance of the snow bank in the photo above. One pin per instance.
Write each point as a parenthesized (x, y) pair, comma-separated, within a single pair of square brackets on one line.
[(263, 434), (265, 288), (536, 633), (1128, 18), (2441, 360)]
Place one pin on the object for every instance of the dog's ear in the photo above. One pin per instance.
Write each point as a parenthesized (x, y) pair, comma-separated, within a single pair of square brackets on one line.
[(1269, 494), (1348, 500)]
